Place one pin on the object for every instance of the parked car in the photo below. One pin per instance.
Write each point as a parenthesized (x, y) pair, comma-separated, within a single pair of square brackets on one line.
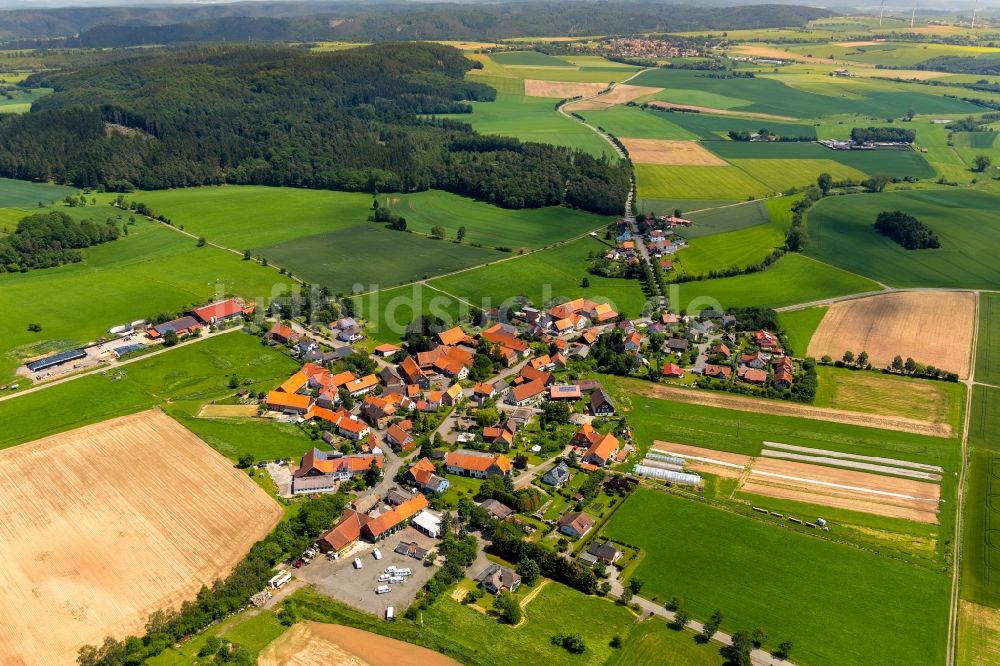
[(377, 553), (358, 563), (382, 589), (298, 564)]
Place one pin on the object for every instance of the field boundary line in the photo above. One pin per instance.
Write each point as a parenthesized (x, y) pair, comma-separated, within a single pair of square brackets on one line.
[(956, 575), (866, 294)]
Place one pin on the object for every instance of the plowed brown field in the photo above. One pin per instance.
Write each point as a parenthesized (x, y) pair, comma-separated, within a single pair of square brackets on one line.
[(309, 643), (665, 151), (561, 89)]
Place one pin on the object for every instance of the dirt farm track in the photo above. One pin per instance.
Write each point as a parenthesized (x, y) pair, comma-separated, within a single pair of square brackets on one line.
[(102, 525), (907, 323)]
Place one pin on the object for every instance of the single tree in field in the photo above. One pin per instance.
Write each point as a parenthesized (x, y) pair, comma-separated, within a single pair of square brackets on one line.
[(461, 234), (585, 282), (848, 357), (863, 359), (245, 460), (201, 241), (897, 363), (982, 163), (910, 113), (825, 181), (437, 231)]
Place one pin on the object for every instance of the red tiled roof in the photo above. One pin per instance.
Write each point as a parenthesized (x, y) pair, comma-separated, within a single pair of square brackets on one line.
[(221, 309)]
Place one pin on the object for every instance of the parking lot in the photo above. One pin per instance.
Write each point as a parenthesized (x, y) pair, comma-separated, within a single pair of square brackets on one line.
[(340, 580)]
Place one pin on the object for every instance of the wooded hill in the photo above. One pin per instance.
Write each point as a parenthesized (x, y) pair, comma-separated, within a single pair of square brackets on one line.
[(387, 21), (271, 115)]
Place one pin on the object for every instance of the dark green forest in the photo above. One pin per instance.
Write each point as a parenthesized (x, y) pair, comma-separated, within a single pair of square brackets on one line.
[(375, 21), (273, 115)]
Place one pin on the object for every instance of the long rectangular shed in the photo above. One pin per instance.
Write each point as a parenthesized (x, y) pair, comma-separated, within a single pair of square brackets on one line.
[(56, 359)]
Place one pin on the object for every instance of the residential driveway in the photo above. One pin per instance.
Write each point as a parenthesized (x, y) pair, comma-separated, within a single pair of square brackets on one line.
[(356, 587), (282, 476)]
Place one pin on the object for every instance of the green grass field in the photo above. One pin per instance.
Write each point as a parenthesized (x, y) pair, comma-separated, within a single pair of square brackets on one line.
[(388, 312), (491, 225), (22, 100), (967, 222), (657, 181), (366, 257), (528, 59), (532, 119), (181, 381), (988, 343), (712, 128), (800, 325), (723, 220), (25, 194), (894, 162), (780, 175), (792, 279), (735, 248), (836, 604), (249, 216), (652, 642), (545, 275), (636, 123), (154, 269)]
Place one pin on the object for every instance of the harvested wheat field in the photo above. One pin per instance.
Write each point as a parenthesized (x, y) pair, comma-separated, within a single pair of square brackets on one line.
[(729, 401), (934, 327), (678, 153), (105, 524), (718, 112), (561, 89), (227, 411), (845, 489), (620, 94), (309, 643)]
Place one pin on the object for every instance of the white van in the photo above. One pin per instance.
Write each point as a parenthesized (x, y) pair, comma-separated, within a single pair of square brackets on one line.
[(383, 578), (403, 572), (390, 613), (382, 589), (357, 563), (377, 553), (396, 579)]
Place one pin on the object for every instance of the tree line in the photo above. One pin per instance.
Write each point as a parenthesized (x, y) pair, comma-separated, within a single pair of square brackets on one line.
[(351, 120), (45, 240)]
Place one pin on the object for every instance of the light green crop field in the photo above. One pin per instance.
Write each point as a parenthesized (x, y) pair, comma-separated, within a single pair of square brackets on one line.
[(635, 123), (248, 216), (714, 128), (652, 642), (773, 96), (800, 325), (370, 257), (545, 275), (153, 269), (181, 379), (837, 604), (690, 208), (792, 279), (971, 144), (22, 100), (532, 119), (25, 194), (967, 222), (988, 342), (984, 419), (528, 58), (783, 174), (491, 225), (892, 395), (9, 217), (894, 162), (735, 248), (657, 181), (727, 219), (894, 54)]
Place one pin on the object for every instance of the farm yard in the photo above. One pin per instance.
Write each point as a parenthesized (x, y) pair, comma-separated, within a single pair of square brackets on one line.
[(873, 608), (906, 324), (61, 596), (842, 233)]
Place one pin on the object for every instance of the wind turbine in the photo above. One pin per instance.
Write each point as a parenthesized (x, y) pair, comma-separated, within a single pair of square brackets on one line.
[(881, 10), (975, 8), (912, 17)]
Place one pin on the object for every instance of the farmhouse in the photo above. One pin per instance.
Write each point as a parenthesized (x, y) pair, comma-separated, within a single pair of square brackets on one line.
[(673, 370), (481, 393), (424, 476), (565, 392), (718, 371), (453, 336), (575, 524), (752, 375), (527, 394), (399, 439), (322, 472), (496, 579), (287, 403), (601, 552), (411, 372), (395, 518), (359, 387), (477, 464), (181, 326), (344, 533), (283, 334), (386, 350), (503, 433), (603, 451), (220, 311), (600, 403)]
